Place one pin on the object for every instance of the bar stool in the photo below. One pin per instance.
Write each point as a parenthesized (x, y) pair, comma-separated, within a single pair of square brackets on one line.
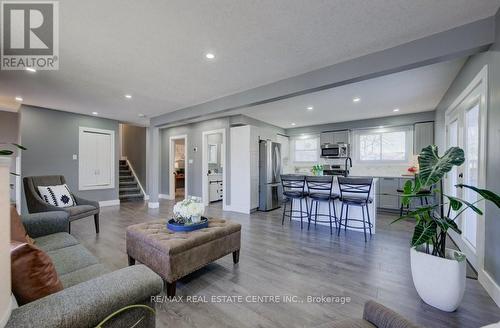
[(320, 191), (355, 192), (293, 189)]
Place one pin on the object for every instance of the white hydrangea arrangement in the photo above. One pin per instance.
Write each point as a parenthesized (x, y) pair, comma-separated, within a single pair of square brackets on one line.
[(189, 211)]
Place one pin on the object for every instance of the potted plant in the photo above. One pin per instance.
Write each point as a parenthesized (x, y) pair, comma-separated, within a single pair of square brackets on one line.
[(317, 169), (428, 254)]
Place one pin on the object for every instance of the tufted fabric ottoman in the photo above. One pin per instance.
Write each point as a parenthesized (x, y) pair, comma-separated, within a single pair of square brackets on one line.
[(173, 255)]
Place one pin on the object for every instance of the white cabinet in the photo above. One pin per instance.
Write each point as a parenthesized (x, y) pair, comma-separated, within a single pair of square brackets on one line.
[(423, 136), (244, 160), (215, 188), (96, 163), (335, 137)]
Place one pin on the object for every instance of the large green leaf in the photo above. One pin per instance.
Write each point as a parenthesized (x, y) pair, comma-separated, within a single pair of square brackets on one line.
[(416, 213), (455, 200), (5, 152), (455, 203), (19, 146), (453, 225), (423, 233), (433, 167), (486, 194)]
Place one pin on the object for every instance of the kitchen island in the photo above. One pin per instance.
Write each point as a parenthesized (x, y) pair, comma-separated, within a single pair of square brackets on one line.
[(354, 211)]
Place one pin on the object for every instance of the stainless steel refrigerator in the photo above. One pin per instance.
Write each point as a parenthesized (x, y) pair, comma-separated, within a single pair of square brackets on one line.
[(270, 190)]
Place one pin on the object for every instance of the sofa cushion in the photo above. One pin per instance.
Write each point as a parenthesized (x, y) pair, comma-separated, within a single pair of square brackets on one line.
[(55, 241), (33, 273), (72, 258), (79, 276)]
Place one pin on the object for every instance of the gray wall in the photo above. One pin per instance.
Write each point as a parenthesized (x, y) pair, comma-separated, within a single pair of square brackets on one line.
[(52, 138), (134, 148), (194, 133), (9, 133), (465, 76), (407, 119), (194, 139)]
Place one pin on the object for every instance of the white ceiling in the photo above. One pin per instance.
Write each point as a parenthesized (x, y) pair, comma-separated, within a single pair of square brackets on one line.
[(412, 91), (155, 49)]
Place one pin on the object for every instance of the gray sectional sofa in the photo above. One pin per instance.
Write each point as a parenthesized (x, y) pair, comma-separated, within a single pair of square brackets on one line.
[(91, 291)]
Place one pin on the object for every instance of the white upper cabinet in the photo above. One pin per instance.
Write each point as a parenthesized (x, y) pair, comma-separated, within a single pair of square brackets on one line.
[(96, 159)]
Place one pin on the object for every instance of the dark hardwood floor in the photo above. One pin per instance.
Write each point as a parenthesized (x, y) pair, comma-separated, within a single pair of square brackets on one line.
[(283, 260)]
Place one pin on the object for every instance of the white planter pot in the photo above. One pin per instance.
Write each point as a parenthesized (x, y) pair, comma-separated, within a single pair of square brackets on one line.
[(440, 282)]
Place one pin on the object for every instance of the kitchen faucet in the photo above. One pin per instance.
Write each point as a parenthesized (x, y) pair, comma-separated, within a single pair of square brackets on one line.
[(346, 171)]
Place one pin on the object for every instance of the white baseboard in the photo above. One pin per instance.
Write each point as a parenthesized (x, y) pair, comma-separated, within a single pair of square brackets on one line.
[(112, 202), (153, 204), (146, 197), (490, 285), (163, 196)]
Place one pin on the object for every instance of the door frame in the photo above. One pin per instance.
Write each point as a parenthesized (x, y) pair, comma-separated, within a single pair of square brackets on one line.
[(204, 167), (479, 83), (171, 160)]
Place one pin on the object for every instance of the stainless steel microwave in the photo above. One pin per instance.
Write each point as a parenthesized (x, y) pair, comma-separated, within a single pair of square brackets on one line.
[(335, 150)]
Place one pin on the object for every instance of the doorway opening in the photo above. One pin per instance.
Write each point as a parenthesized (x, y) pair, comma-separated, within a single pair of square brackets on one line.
[(177, 161), (214, 167)]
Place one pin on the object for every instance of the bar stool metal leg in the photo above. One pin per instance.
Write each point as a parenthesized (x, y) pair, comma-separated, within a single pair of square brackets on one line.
[(330, 214), (284, 210), (369, 222), (364, 221), (340, 222), (346, 216), (301, 213), (291, 208)]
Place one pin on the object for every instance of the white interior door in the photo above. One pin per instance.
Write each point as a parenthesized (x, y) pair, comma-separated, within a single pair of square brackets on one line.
[(96, 159), (463, 129)]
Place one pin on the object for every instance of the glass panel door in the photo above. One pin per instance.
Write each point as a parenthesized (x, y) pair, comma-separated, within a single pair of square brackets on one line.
[(452, 176), (471, 172)]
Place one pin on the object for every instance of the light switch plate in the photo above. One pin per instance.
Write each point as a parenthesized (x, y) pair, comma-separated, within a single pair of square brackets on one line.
[(190, 161), (75, 157)]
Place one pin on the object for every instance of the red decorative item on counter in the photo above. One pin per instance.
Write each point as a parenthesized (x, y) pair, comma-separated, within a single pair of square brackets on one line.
[(412, 169)]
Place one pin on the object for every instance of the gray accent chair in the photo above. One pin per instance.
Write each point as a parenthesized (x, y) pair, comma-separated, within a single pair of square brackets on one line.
[(36, 204), (91, 291), (375, 315)]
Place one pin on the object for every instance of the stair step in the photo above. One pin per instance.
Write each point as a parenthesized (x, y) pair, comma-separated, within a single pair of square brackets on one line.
[(123, 167), (127, 172), (126, 196), (127, 179), (128, 188), (122, 162), (128, 183), (130, 191)]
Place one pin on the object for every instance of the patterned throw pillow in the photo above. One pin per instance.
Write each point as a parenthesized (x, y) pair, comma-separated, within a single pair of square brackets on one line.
[(59, 195)]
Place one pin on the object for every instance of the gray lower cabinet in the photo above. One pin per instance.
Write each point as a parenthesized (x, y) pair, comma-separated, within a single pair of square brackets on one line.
[(387, 193), (388, 197)]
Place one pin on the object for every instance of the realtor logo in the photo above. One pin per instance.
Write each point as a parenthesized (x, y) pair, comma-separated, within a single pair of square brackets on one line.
[(30, 35)]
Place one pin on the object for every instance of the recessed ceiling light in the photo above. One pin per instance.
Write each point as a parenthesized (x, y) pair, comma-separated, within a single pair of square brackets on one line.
[(293, 124), (356, 99), (19, 99), (395, 110), (95, 113), (141, 115), (128, 96), (30, 69), (209, 55), (310, 108)]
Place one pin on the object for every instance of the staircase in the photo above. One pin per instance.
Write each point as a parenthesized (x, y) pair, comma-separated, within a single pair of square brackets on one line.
[(129, 188)]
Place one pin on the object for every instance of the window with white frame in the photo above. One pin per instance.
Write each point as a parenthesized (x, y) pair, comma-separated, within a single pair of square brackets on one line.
[(389, 145), (305, 149)]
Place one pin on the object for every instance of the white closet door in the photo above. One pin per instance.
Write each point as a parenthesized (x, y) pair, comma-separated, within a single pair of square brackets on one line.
[(96, 159), (103, 157)]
